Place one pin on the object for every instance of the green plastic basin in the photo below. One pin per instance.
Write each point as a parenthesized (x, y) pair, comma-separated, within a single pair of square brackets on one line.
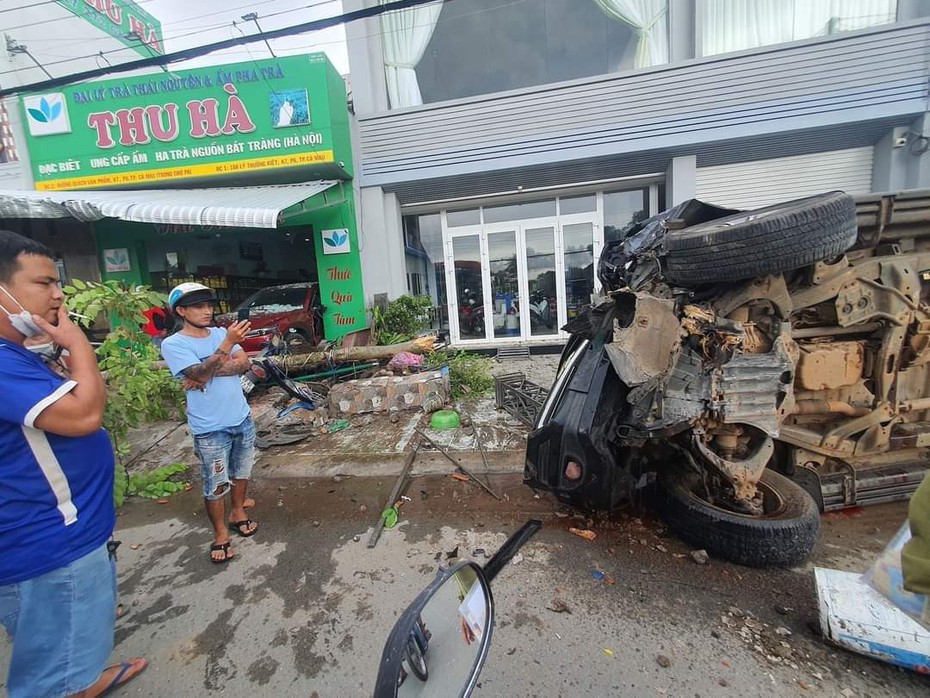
[(445, 419)]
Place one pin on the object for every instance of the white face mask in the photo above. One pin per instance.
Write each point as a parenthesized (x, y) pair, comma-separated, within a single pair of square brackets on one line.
[(48, 350), (22, 322)]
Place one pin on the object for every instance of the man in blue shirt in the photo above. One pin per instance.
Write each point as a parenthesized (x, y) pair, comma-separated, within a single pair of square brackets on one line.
[(209, 360), (57, 577)]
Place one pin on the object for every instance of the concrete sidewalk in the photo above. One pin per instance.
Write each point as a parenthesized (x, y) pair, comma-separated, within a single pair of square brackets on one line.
[(373, 444)]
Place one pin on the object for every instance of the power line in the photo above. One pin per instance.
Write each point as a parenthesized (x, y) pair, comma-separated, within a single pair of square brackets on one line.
[(55, 19), (198, 30), (186, 54), (26, 7)]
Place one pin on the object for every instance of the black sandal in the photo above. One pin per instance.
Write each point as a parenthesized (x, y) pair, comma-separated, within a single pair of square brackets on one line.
[(226, 556), (238, 527)]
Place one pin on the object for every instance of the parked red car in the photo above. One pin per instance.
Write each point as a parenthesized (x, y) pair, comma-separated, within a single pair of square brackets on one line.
[(294, 309)]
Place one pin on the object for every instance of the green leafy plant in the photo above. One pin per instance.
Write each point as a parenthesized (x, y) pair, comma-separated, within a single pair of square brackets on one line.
[(469, 374), (402, 319), (155, 484), (137, 392)]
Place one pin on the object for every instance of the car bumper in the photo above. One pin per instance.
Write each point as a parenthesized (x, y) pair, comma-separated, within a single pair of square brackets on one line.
[(578, 424)]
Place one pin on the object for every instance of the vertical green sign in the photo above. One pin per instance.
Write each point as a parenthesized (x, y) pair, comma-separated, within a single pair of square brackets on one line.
[(124, 20), (339, 268)]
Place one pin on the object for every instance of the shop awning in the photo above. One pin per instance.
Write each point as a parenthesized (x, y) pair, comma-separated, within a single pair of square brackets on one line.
[(237, 207)]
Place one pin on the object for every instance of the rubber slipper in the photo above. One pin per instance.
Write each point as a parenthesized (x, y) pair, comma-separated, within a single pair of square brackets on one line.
[(226, 556), (120, 678), (242, 528)]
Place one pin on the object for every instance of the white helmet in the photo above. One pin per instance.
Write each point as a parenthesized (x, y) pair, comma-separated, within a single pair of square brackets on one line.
[(190, 293)]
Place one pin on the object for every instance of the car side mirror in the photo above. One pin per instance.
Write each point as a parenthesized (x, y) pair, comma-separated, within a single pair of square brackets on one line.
[(440, 643)]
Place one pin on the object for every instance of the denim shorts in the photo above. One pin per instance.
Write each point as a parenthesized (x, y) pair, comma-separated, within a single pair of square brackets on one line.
[(62, 627), (225, 455)]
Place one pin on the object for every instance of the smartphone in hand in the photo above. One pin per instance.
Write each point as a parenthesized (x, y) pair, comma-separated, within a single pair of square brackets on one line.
[(243, 314)]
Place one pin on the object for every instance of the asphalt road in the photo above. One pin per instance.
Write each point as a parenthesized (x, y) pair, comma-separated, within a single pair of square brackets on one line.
[(305, 609)]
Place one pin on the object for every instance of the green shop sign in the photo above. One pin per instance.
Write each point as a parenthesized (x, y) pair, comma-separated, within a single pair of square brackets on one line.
[(124, 20), (232, 121)]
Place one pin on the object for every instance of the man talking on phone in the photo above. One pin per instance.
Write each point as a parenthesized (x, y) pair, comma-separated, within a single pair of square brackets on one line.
[(57, 571), (209, 361)]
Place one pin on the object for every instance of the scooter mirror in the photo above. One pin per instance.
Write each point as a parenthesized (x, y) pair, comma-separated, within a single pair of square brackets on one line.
[(439, 645)]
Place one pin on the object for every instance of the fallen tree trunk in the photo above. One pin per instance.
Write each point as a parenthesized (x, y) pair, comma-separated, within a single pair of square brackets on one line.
[(297, 364), (305, 363)]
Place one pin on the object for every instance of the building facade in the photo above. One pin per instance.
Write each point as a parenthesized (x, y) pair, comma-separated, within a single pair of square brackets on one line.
[(238, 176), (500, 145), (52, 38)]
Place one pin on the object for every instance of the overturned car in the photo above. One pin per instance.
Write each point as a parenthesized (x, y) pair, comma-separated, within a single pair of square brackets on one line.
[(762, 366)]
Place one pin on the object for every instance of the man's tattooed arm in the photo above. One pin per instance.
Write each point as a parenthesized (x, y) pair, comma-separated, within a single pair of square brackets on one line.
[(234, 366), (206, 369)]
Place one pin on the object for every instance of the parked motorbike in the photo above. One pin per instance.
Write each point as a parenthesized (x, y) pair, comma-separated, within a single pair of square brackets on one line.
[(541, 310), (441, 641), (471, 314)]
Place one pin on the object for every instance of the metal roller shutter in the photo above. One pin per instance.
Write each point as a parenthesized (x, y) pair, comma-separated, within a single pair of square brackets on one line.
[(762, 182)]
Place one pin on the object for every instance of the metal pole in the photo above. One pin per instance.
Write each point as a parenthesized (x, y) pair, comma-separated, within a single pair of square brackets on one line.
[(395, 493), (253, 17), (456, 463)]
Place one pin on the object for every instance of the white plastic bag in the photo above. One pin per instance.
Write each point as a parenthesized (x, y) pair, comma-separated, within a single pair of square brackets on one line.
[(886, 577)]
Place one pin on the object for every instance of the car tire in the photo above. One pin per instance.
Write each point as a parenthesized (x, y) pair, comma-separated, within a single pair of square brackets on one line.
[(769, 240), (784, 537)]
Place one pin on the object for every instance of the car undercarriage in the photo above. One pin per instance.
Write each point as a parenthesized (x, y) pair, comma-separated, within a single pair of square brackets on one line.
[(761, 366)]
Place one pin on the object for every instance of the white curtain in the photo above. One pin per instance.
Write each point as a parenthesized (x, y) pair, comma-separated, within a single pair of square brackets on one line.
[(404, 36), (734, 25), (649, 18), (823, 17)]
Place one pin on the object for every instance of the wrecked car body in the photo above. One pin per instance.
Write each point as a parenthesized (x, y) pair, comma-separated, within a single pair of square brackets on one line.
[(762, 366)]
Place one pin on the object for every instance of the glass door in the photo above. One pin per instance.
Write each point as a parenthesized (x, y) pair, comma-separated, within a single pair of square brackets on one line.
[(578, 256), (541, 297), (505, 284), (469, 287)]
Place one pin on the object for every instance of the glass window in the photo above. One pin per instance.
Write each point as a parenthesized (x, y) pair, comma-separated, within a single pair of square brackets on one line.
[(517, 212), (577, 204), (426, 269), (502, 253), (734, 25), (468, 217), (466, 252), (484, 46), (540, 266), (621, 208)]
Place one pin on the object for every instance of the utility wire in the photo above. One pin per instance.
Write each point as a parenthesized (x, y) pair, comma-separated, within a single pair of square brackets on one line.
[(26, 7), (54, 19), (121, 49), (198, 30), (195, 52)]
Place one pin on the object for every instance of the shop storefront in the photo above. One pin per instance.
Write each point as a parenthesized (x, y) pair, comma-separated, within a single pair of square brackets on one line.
[(238, 176), (517, 270)]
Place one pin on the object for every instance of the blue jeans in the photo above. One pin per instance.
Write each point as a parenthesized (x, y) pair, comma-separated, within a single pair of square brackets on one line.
[(226, 454), (62, 627)]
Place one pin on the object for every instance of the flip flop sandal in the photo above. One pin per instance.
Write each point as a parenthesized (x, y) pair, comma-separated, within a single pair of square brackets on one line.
[(237, 526), (120, 677), (226, 556)]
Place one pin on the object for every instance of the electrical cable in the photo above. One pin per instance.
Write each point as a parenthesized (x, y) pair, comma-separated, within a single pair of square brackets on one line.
[(54, 19), (206, 49), (198, 30), (26, 7)]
